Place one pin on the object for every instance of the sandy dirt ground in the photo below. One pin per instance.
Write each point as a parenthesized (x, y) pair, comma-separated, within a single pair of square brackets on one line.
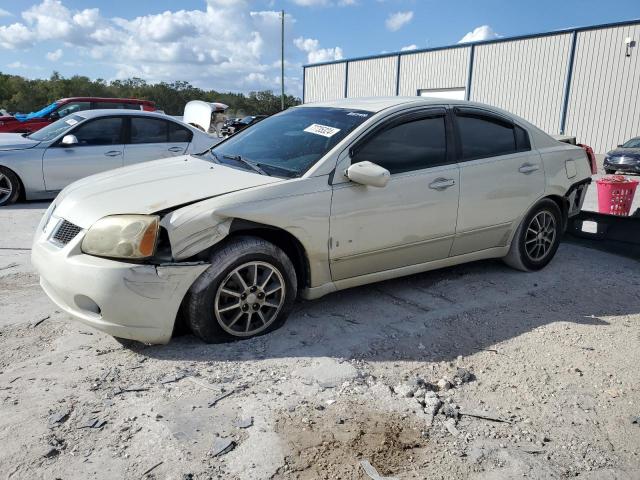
[(476, 371)]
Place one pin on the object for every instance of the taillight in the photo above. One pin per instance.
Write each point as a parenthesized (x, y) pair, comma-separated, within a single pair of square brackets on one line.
[(591, 156)]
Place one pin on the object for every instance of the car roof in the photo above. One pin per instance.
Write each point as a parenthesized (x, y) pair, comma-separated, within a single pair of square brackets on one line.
[(377, 104), (122, 111)]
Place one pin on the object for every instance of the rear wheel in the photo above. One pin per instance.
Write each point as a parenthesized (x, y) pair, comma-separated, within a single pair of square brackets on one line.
[(247, 291), (537, 239), (9, 187)]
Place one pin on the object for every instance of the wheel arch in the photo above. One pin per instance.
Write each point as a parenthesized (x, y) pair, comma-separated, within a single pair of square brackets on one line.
[(283, 239), (22, 195)]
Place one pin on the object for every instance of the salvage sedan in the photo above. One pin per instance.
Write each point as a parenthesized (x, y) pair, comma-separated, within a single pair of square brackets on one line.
[(318, 198), (625, 158), (38, 165)]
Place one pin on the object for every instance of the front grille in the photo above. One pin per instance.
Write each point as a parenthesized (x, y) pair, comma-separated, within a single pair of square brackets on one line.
[(65, 232)]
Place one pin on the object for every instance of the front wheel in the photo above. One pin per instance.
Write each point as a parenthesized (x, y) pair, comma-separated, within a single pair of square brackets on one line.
[(9, 187), (537, 239), (247, 291)]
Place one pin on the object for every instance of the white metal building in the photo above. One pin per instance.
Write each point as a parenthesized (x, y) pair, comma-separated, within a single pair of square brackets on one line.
[(581, 81)]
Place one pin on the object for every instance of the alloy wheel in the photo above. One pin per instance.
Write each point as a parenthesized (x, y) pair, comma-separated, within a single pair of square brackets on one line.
[(6, 188), (249, 299), (540, 236)]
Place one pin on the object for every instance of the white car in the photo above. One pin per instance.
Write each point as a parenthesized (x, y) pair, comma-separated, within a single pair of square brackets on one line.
[(318, 198)]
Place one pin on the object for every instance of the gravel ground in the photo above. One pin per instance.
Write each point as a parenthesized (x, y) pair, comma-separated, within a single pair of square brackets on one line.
[(476, 371)]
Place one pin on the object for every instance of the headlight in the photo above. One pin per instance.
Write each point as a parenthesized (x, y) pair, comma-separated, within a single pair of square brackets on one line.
[(122, 236)]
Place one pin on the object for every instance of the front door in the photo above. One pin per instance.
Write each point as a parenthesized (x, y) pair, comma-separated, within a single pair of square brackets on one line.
[(100, 147), (410, 221)]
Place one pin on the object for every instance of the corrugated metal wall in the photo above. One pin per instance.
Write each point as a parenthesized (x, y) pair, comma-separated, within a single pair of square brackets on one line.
[(604, 100), (372, 78), (324, 82), (436, 69), (525, 77)]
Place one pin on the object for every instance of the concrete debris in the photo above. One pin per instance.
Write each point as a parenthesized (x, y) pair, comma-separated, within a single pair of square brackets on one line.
[(172, 378), (450, 410), (93, 422), (372, 473), (134, 388), (444, 385), (60, 416), (245, 422), (222, 446), (220, 397), (431, 404), (51, 452), (636, 420), (463, 376), (450, 425)]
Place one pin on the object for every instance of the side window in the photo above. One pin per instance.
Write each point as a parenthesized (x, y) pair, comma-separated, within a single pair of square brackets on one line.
[(70, 108), (483, 136), (102, 131), (522, 139), (413, 145), (148, 130), (178, 134)]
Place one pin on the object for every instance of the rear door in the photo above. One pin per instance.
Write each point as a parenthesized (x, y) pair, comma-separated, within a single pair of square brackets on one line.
[(100, 147), (501, 177), (155, 138)]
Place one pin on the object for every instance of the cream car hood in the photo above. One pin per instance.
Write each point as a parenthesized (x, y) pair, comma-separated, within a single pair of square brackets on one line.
[(150, 187)]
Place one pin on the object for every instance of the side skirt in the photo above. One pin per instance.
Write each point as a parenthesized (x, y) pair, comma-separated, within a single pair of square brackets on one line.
[(317, 292)]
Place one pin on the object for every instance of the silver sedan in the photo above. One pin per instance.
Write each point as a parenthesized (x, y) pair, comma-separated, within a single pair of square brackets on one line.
[(39, 165)]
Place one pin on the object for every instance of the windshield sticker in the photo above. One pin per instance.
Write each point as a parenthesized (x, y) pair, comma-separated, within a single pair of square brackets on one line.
[(357, 114), (322, 130), (71, 122)]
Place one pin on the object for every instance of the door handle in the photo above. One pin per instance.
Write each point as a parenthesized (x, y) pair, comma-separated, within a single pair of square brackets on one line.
[(113, 153), (528, 168), (442, 183), (176, 149)]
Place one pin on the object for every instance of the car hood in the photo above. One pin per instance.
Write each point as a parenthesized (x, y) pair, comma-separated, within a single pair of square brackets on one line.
[(625, 152), (150, 187), (15, 141)]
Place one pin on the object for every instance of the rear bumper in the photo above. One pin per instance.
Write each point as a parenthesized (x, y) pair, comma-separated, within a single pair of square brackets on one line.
[(138, 302)]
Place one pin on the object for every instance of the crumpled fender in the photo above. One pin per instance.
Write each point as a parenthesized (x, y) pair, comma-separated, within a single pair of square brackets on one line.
[(191, 230)]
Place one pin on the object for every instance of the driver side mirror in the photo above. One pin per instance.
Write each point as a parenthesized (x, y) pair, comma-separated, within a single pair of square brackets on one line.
[(69, 140), (367, 173)]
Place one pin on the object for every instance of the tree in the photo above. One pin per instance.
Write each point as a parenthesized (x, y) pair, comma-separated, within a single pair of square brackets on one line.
[(18, 94)]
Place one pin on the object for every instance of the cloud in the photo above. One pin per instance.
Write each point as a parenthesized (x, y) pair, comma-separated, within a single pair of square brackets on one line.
[(315, 54), (483, 32), (17, 64), (55, 55), (395, 21), (5, 13), (407, 48), (223, 45)]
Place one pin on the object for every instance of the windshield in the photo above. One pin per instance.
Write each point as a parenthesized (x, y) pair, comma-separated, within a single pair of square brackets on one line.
[(633, 143), (55, 129), (289, 143)]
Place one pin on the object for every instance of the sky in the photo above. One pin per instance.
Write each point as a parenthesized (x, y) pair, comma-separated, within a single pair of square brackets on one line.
[(234, 45)]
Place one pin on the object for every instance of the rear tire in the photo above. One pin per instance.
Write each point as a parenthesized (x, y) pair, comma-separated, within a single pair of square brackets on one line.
[(248, 290), (10, 187), (537, 239)]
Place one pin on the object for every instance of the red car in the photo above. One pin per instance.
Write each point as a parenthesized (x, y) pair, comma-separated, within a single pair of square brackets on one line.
[(26, 123)]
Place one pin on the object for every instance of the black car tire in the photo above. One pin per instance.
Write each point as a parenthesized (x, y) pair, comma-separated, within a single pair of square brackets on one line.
[(205, 298), (520, 256), (9, 180)]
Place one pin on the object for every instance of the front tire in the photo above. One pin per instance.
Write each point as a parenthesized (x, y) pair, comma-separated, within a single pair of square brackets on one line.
[(537, 239), (248, 290), (10, 187)]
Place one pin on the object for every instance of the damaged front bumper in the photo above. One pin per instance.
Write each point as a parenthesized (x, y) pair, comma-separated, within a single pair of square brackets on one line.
[(133, 301)]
